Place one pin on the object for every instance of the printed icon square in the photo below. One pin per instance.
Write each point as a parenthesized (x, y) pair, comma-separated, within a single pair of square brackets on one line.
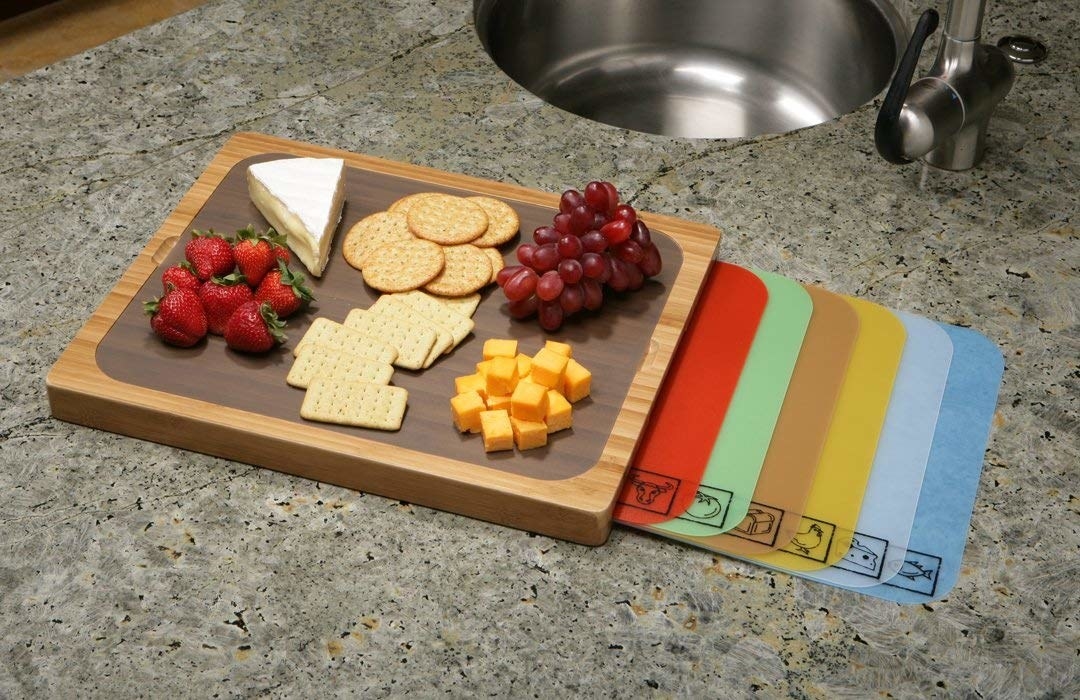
[(652, 492), (813, 539), (918, 574), (865, 555), (709, 507), (761, 524)]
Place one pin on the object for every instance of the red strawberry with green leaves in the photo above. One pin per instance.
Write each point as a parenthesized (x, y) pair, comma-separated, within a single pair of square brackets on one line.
[(279, 246), (177, 316), (254, 254), (180, 276), (284, 290), (254, 327), (210, 254), (220, 297)]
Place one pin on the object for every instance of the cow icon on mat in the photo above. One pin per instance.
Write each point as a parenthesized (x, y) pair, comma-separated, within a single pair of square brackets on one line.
[(649, 491)]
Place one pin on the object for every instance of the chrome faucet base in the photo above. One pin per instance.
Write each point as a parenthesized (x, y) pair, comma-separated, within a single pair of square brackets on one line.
[(943, 117)]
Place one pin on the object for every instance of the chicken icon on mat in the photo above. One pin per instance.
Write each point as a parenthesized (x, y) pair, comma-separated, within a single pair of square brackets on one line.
[(811, 539)]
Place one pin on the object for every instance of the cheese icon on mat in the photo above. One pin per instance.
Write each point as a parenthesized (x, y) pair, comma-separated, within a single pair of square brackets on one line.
[(302, 198)]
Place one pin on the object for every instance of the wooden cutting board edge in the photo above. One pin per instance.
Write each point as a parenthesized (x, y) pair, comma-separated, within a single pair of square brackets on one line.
[(576, 509)]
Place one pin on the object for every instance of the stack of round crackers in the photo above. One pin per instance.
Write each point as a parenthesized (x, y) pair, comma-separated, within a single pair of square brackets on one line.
[(440, 243)]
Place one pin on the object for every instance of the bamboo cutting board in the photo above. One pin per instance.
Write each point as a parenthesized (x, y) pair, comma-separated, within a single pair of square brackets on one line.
[(115, 375)]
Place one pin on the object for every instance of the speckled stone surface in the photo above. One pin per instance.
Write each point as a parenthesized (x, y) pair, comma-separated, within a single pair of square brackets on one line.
[(132, 569)]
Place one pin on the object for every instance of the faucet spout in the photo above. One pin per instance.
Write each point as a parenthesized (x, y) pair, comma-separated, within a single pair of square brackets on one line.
[(943, 117)]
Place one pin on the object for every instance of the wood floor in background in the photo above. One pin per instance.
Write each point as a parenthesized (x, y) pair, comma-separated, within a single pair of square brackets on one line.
[(67, 27)]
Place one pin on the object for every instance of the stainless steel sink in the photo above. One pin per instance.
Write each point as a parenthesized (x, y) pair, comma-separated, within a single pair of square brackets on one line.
[(697, 68)]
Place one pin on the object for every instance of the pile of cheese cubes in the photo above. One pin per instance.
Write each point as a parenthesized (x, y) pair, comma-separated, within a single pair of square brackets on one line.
[(516, 399)]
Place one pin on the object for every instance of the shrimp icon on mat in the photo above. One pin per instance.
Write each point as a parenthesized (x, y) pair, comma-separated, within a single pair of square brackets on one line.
[(811, 539), (912, 570)]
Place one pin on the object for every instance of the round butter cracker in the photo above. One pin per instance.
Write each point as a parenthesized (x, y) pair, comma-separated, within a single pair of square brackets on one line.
[(496, 259), (503, 221), (403, 266), (446, 219), (403, 205), (373, 232), (467, 270)]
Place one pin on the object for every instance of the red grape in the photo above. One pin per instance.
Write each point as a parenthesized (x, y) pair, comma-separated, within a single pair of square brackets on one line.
[(523, 308), (594, 242), (596, 196), (551, 315), (550, 286), (592, 265), (625, 212), (525, 253), (570, 199), (651, 264), (570, 271), (545, 234), (641, 235), (612, 195), (546, 257), (616, 231), (620, 279), (521, 285), (599, 219), (634, 276), (571, 247), (581, 219), (628, 251), (594, 294), (506, 273), (562, 224), (572, 299)]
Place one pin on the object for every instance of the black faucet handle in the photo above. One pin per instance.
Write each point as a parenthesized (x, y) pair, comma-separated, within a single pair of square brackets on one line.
[(887, 135)]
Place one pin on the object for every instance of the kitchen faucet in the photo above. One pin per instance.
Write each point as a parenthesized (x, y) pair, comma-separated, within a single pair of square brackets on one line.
[(942, 117)]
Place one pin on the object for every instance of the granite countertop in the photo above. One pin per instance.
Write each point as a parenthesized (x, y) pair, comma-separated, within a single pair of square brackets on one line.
[(129, 568)]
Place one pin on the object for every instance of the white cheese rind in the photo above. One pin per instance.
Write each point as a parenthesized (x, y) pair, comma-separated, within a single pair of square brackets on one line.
[(302, 198)]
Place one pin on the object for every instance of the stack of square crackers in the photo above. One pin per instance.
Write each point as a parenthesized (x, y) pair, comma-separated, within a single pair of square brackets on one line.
[(347, 367), (440, 243)]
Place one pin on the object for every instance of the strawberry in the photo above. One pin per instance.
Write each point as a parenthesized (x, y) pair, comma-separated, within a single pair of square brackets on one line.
[(220, 297), (180, 276), (210, 254), (177, 316), (254, 254), (279, 246), (284, 290), (254, 327)]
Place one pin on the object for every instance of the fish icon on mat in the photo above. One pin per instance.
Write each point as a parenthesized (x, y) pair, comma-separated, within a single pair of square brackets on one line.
[(810, 539), (912, 570)]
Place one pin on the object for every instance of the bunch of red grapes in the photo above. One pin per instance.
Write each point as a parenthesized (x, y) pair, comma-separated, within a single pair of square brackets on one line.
[(592, 243)]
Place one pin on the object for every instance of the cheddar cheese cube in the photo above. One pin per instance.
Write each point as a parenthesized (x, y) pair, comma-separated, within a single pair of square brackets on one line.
[(524, 363), (577, 381), (560, 414), (561, 348), (498, 403), (499, 347), (529, 402), (482, 367), (501, 376), (466, 409), (528, 434), (548, 367), (497, 431), (471, 382)]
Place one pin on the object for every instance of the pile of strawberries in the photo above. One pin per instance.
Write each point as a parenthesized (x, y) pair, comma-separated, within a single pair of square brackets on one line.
[(240, 288)]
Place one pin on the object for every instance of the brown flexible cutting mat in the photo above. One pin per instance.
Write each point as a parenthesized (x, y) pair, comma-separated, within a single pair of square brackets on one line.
[(117, 376)]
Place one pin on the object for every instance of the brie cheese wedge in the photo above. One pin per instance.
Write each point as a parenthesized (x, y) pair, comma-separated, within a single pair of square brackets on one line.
[(302, 198)]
